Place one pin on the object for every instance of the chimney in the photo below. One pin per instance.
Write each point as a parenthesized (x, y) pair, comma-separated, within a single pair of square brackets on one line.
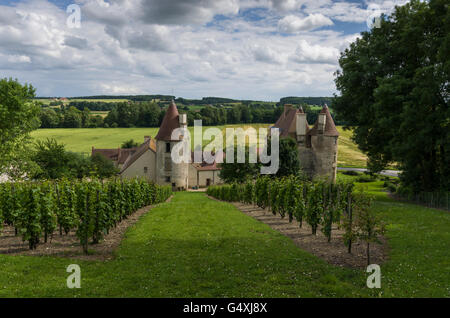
[(321, 123), (183, 120), (301, 125)]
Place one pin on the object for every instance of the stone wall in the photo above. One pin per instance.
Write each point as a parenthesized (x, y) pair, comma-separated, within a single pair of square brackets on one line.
[(165, 167), (325, 156), (137, 169)]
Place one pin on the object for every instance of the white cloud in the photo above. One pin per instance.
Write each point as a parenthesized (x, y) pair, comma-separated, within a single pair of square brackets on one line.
[(156, 46), (307, 53), (294, 24), (18, 59), (118, 89)]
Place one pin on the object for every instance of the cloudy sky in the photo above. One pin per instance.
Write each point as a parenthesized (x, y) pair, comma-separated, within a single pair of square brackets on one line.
[(245, 49)]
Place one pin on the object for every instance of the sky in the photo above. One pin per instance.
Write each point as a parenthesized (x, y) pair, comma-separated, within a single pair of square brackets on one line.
[(242, 49)]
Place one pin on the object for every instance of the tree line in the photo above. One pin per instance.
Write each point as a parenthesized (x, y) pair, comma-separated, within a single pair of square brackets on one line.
[(394, 91), (150, 114)]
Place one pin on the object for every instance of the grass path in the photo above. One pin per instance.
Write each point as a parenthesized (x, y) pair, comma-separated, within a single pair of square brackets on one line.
[(197, 247), (189, 247)]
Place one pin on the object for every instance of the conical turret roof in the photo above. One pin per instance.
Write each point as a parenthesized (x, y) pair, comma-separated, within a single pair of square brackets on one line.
[(170, 122), (330, 128)]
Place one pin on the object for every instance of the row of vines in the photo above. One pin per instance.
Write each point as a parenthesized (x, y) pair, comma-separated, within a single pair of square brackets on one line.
[(320, 204), (92, 208)]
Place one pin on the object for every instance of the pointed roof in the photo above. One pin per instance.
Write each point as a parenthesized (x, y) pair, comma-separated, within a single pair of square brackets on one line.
[(170, 122), (287, 121), (330, 128)]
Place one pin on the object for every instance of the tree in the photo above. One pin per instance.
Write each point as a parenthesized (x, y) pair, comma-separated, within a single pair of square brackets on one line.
[(148, 115), (102, 167), (78, 165), (129, 144), (394, 87), (72, 118), (85, 117), (289, 162), (49, 118), (368, 223), (19, 115), (238, 172), (52, 158)]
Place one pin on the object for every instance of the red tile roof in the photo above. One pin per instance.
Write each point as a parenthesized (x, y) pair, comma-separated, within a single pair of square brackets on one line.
[(125, 153), (206, 166), (111, 154), (169, 123), (287, 121)]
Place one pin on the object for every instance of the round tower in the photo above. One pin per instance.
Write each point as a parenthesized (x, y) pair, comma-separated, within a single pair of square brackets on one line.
[(169, 172), (323, 139)]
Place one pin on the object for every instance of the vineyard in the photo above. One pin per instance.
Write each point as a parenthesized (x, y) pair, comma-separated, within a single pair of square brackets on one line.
[(319, 204), (91, 208)]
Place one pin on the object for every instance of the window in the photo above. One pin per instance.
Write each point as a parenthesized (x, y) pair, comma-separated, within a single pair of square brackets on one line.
[(168, 164), (167, 147), (167, 179), (145, 169)]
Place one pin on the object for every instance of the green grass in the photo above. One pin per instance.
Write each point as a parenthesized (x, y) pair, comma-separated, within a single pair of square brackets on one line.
[(102, 113), (82, 140), (348, 153), (190, 247), (197, 247), (49, 100), (419, 238)]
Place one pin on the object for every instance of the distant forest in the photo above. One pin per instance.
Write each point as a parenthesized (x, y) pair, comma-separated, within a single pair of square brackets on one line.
[(150, 109)]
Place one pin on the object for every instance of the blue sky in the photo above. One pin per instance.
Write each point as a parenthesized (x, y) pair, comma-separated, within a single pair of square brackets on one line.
[(249, 49)]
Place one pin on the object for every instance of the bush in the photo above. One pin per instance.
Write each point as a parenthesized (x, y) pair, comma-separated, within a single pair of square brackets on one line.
[(351, 173), (390, 186), (366, 178)]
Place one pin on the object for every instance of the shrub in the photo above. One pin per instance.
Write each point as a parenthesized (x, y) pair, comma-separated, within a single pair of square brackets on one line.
[(365, 178), (351, 173)]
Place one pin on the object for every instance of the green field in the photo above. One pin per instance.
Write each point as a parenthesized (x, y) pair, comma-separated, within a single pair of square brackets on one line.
[(49, 100), (198, 247), (82, 140)]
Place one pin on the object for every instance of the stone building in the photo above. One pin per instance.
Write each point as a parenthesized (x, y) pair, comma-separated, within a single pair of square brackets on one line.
[(152, 160), (317, 146)]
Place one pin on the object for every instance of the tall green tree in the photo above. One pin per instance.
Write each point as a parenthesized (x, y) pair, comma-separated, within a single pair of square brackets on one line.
[(73, 118), (237, 172), (289, 161), (394, 89), (52, 159), (19, 115)]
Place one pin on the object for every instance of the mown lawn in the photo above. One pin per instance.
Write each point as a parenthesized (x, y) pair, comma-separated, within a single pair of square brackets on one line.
[(197, 247), (190, 247), (419, 240), (82, 139)]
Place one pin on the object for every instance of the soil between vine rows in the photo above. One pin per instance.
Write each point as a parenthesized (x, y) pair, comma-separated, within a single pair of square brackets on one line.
[(69, 245), (334, 252)]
